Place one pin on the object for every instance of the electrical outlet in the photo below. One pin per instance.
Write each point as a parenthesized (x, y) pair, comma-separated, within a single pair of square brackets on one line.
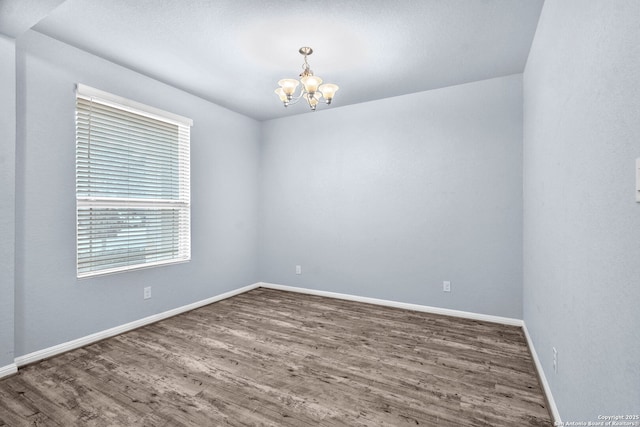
[(446, 286), (147, 292), (298, 269), (555, 360)]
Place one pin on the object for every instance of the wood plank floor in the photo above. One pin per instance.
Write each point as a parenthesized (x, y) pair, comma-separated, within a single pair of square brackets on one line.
[(273, 358)]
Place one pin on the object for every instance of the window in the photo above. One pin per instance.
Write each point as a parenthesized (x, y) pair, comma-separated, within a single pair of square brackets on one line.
[(132, 185)]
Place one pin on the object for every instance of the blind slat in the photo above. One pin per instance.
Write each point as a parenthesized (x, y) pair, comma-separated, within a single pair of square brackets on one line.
[(132, 189)]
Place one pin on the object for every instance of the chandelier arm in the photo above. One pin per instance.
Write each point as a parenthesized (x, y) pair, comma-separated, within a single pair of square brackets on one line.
[(296, 98), (293, 101)]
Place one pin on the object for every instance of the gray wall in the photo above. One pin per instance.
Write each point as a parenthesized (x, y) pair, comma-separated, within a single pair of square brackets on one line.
[(52, 306), (389, 198), (581, 221), (7, 195)]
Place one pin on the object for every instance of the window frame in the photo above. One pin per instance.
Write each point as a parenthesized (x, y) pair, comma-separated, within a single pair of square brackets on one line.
[(165, 213)]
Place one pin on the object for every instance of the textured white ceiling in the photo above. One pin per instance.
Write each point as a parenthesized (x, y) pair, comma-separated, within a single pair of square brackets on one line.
[(18, 16), (233, 52)]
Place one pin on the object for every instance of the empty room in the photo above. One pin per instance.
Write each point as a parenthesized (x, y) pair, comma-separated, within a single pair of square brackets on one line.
[(332, 213)]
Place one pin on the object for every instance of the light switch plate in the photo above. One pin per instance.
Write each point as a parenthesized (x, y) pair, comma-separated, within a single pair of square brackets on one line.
[(638, 180)]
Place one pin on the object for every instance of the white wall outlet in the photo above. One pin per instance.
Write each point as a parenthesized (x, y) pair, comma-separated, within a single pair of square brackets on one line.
[(446, 286), (298, 269), (555, 360), (147, 292)]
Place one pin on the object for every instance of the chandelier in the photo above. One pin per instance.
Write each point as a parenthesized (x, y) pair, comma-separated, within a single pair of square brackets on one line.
[(312, 90)]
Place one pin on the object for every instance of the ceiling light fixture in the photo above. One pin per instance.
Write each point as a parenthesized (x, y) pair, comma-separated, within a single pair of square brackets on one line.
[(312, 90)]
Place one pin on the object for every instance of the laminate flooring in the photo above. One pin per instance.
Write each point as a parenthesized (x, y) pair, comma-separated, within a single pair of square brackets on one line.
[(275, 358)]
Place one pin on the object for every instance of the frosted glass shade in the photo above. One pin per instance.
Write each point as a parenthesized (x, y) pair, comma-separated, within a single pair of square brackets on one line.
[(328, 90), (288, 85), (281, 94), (313, 100), (311, 83)]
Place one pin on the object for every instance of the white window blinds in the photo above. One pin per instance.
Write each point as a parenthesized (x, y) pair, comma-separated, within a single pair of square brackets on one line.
[(132, 185)]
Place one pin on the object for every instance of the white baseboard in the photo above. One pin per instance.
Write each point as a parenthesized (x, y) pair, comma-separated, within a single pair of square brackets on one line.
[(543, 379), (11, 369), (396, 304), (89, 339), (437, 310)]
